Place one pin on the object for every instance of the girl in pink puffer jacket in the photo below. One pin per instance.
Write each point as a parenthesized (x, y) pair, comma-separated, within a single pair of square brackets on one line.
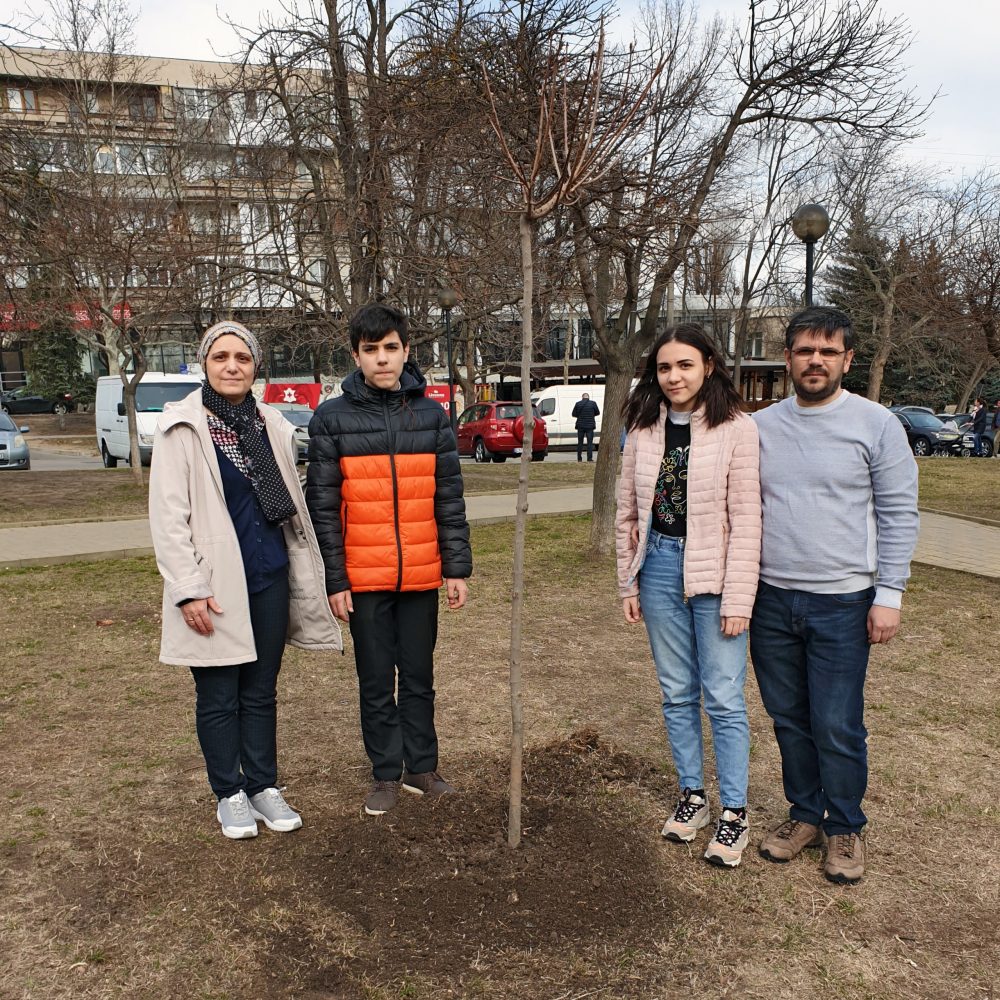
[(688, 542)]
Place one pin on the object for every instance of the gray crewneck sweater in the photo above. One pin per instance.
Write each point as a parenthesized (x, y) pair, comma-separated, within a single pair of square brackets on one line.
[(839, 498)]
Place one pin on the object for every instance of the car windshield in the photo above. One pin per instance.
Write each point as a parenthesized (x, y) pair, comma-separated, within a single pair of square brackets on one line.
[(6, 424), (926, 420), (151, 398), (300, 418)]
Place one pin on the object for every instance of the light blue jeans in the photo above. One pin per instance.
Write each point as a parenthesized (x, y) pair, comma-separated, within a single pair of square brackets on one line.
[(693, 658)]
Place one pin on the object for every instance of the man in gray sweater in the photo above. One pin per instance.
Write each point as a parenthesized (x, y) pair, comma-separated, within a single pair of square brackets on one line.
[(839, 492)]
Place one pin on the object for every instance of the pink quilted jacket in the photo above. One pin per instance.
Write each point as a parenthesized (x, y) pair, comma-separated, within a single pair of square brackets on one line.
[(722, 553)]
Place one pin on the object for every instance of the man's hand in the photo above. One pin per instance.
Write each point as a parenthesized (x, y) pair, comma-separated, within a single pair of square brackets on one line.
[(631, 609), (457, 591), (883, 623), (196, 614), (341, 604), (734, 626)]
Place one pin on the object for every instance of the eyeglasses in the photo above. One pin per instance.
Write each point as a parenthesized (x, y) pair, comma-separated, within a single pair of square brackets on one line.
[(826, 353)]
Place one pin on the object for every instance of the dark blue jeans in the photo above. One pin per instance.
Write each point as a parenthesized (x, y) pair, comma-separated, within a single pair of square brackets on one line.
[(236, 711), (810, 655)]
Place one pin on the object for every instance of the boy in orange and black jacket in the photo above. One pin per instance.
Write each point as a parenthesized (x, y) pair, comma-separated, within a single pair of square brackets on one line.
[(384, 490)]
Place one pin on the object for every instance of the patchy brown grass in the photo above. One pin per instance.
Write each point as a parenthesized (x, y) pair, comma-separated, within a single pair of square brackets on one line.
[(969, 486), (114, 879)]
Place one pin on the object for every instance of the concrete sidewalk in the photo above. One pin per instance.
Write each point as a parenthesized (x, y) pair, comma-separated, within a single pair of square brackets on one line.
[(948, 542)]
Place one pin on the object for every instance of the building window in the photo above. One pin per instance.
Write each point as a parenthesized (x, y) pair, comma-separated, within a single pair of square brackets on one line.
[(195, 102), (21, 99), (104, 160), (142, 107), (83, 103), (754, 347)]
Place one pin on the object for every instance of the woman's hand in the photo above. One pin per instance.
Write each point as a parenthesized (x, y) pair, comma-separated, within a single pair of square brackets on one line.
[(633, 613), (196, 614), (734, 626)]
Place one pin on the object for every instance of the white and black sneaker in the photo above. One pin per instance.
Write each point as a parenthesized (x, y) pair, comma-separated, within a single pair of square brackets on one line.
[(690, 816), (732, 834)]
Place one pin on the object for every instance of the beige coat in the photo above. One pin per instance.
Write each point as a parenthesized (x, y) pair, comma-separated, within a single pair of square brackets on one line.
[(722, 551), (198, 552)]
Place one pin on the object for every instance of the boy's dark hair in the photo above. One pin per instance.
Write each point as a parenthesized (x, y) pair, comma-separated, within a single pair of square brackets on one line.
[(375, 321), (820, 319), (718, 394)]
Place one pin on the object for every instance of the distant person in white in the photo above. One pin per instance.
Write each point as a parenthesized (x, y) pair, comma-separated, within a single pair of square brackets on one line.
[(839, 504)]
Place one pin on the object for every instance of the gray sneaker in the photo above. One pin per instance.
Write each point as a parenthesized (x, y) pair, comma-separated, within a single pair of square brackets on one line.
[(277, 814), (383, 796), (429, 783), (234, 815)]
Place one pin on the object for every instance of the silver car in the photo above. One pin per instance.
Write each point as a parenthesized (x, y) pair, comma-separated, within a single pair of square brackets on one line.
[(13, 448), (299, 416)]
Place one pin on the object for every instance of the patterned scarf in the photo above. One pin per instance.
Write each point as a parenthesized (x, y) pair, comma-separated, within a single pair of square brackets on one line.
[(253, 458)]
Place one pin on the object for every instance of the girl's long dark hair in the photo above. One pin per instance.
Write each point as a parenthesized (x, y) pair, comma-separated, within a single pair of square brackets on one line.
[(718, 394)]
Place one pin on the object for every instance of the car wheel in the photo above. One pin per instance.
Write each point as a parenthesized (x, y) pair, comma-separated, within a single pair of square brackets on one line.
[(966, 453), (109, 462), (479, 451), (921, 447), (4, 408), (60, 408), (538, 456), (986, 448), (499, 459)]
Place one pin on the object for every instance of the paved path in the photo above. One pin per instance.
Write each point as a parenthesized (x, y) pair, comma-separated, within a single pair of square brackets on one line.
[(944, 541)]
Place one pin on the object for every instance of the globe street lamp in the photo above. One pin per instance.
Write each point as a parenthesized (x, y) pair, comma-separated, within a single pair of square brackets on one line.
[(810, 224), (447, 297)]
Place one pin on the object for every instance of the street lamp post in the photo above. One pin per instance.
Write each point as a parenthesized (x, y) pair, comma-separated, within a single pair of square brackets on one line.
[(810, 224), (447, 297)]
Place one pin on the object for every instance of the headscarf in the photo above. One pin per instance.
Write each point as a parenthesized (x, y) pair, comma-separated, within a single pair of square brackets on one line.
[(239, 435)]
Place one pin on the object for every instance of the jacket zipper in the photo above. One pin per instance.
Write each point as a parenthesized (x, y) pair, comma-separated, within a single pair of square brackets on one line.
[(395, 492)]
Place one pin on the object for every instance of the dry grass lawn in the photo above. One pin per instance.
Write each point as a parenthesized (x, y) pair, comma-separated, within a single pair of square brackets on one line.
[(115, 882), (969, 486)]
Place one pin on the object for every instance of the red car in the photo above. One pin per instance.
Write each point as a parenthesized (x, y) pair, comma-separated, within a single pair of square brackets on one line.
[(495, 432)]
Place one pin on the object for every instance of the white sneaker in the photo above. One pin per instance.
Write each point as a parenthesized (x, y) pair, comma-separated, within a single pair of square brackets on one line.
[(691, 815), (234, 815), (270, 806), (732, 834)]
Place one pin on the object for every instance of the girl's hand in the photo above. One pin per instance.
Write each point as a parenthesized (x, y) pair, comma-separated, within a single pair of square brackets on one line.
[(633, 613), (634, 535), (735, 626)]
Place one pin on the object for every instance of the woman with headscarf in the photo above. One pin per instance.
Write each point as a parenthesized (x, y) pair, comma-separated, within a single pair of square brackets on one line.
[(242, 572)]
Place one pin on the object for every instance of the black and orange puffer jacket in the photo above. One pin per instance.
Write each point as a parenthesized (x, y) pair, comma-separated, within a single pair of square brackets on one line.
[(384, 489)]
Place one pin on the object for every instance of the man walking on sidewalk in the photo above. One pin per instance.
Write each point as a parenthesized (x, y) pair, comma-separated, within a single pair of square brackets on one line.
[(839, 504), (586, 412)]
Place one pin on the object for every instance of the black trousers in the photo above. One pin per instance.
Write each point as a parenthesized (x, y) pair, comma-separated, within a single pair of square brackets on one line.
[(236, 711), (585, 433), (394, 635)]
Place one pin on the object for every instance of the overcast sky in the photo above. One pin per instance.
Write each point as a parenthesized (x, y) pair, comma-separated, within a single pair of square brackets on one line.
[(956, 50)]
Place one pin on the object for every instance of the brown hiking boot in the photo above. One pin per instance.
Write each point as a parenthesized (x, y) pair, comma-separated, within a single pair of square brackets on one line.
[(788, 840), (845, 859), (383, 796), (430, 783)]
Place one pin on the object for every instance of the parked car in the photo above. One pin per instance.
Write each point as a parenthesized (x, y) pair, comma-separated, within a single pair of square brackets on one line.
[(22, 401), (929, 436), (14, 452), (495, 432), (298, 415)]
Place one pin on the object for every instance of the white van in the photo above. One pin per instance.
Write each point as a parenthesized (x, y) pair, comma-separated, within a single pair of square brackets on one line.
[(555, 404), (154, 389)]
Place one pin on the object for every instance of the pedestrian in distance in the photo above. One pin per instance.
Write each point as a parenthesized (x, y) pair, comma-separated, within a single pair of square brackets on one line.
[(241, 570), (688, 534), (996, 430), (384, 488), (839, 492), (980, 423), (586, 411)]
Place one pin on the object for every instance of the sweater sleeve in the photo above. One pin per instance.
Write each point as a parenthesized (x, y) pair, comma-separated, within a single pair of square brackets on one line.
[(894, 491), (626, 518), (449, 505), (324, 483), (743, 501)]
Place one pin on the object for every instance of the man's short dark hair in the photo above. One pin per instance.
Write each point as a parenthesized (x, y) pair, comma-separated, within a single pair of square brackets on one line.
[(375, 321), (820, 319)]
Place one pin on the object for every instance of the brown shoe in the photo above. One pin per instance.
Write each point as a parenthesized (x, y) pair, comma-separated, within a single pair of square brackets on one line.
[(383, 796), (788, 840), (430, 783), (845, 859)]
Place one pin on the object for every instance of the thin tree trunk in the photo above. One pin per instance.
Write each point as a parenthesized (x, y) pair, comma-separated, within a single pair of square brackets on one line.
[(602, 524), (977, 373), (520, 530), (881, 358)]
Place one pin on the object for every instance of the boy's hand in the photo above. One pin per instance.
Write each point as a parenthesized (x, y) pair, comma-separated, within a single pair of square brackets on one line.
[(341, 604), (457, 590)]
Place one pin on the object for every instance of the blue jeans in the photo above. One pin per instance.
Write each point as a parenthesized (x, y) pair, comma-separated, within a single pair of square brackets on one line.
[(693, 658), (810, 654)]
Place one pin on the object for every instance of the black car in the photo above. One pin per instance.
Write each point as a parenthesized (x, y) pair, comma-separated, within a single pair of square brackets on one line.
[(929, 436), (23, 401)]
